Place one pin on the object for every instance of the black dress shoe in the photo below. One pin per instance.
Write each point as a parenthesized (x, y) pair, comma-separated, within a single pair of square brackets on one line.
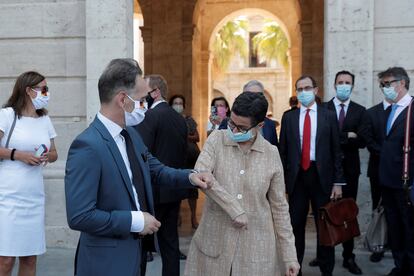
[(314, 262), (376, 257), (150, 258), (352, 266), (182, 256)]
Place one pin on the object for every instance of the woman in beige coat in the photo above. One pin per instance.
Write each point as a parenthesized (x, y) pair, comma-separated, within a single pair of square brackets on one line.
[(246, 210)]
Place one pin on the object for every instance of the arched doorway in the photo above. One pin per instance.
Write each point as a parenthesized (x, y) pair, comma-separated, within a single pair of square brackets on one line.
[(209, 17), (274, 76)]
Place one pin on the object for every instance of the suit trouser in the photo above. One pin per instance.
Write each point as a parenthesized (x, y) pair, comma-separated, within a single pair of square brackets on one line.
[(307, 187), (350, 190), (375, 190), (400, 220), (167, 214)]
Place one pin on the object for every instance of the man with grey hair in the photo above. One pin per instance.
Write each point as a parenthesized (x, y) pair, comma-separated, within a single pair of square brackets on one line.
[(269, 128), (108, 178), (394, 83)]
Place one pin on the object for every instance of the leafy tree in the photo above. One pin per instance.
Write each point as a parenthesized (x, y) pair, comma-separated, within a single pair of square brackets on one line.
[(271, 44), (228, 42)]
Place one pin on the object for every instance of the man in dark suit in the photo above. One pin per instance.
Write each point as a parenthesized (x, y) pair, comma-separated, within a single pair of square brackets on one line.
[(164, 132), (269, 128), (108, 178), (373, 134), (311, 156), (395, 83), (349, 116)]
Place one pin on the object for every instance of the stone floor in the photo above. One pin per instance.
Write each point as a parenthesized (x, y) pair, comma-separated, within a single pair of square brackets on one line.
[(59, 261)]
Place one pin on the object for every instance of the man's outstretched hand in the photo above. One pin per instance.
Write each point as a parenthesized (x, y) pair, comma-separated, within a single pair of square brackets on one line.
[(203, 180)]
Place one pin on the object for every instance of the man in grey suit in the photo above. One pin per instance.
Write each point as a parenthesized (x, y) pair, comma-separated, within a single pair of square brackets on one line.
[(108, 178)]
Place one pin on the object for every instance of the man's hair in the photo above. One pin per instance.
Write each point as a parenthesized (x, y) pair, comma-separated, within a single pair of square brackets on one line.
[(252, 105), (293, 101), (120, 74), (396, 72), (306, 77), (247, 86), (158, 81), (344, 72)]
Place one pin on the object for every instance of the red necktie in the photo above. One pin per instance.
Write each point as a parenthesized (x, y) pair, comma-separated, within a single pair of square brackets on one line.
[(305, 163)]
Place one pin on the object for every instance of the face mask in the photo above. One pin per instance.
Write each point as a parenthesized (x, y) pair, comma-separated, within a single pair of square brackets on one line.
[(221, 111), (343, 91), (150, 100), (390, 93), (178, 107), (136, 116), (240, 137), (306, 97), (40, 101)]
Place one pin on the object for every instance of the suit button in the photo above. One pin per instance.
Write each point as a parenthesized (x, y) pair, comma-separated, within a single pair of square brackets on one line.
[(239, 196), (242, 172)]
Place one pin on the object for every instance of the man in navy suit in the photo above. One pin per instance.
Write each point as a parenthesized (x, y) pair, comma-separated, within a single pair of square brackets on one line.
[(108, 178), (394, 83), (349, 116), (311, 156), (269, 128)]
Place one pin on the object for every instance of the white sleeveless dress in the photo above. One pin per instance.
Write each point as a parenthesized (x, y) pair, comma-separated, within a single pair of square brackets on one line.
[(22, 197)]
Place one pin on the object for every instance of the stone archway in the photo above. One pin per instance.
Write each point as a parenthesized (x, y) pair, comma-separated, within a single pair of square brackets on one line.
[(209, 15)]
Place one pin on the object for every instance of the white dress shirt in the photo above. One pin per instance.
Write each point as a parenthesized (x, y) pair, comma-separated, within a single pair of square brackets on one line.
[(114, 129), (401, 104), (313, 119), (157, 103), (385, 104), (338, 107)]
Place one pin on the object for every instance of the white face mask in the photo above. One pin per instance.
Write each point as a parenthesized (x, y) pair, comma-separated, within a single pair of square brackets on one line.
[(136, 116), (40, 101)]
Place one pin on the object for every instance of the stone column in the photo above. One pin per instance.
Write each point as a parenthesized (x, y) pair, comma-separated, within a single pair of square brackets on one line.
[(349, 43), (109, 35)]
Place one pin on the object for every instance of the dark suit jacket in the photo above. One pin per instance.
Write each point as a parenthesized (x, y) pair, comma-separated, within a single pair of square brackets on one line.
[(269, 130), (99, 200), (373, 133), (350, 146), (328, 153), (164, 132), (391, 156)]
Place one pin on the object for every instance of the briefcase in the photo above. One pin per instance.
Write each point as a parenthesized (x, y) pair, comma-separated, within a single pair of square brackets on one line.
[(338, 222)]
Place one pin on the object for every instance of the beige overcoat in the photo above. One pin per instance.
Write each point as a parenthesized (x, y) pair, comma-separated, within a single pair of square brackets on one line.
[(250, 183)]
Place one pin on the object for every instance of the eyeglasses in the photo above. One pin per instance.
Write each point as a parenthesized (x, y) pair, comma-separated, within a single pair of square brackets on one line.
[(307, 88), (43, 90), (231, 125), (387, 84), (153, 90)]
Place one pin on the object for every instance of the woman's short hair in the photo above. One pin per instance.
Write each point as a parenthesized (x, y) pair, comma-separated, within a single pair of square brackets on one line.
[(171, 101), (252, 105), (19, 98), (225, 101)]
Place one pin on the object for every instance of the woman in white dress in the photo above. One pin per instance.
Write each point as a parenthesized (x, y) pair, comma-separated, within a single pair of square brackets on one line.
[(22, 198)]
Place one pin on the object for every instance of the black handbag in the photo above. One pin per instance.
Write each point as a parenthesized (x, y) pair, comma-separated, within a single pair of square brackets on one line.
[(376, 237)]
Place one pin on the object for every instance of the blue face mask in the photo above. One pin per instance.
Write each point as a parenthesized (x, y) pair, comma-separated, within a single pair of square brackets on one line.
[(343, 91), (239, 137), (306, 97), (390, 93)]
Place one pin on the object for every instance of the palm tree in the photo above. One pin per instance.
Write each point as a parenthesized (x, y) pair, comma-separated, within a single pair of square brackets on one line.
[(271, 44), (228, 42)]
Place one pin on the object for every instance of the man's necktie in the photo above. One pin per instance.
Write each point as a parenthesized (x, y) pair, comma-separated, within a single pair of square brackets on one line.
[(306, 139), (341, 118), (390, 117), (137, 178)]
